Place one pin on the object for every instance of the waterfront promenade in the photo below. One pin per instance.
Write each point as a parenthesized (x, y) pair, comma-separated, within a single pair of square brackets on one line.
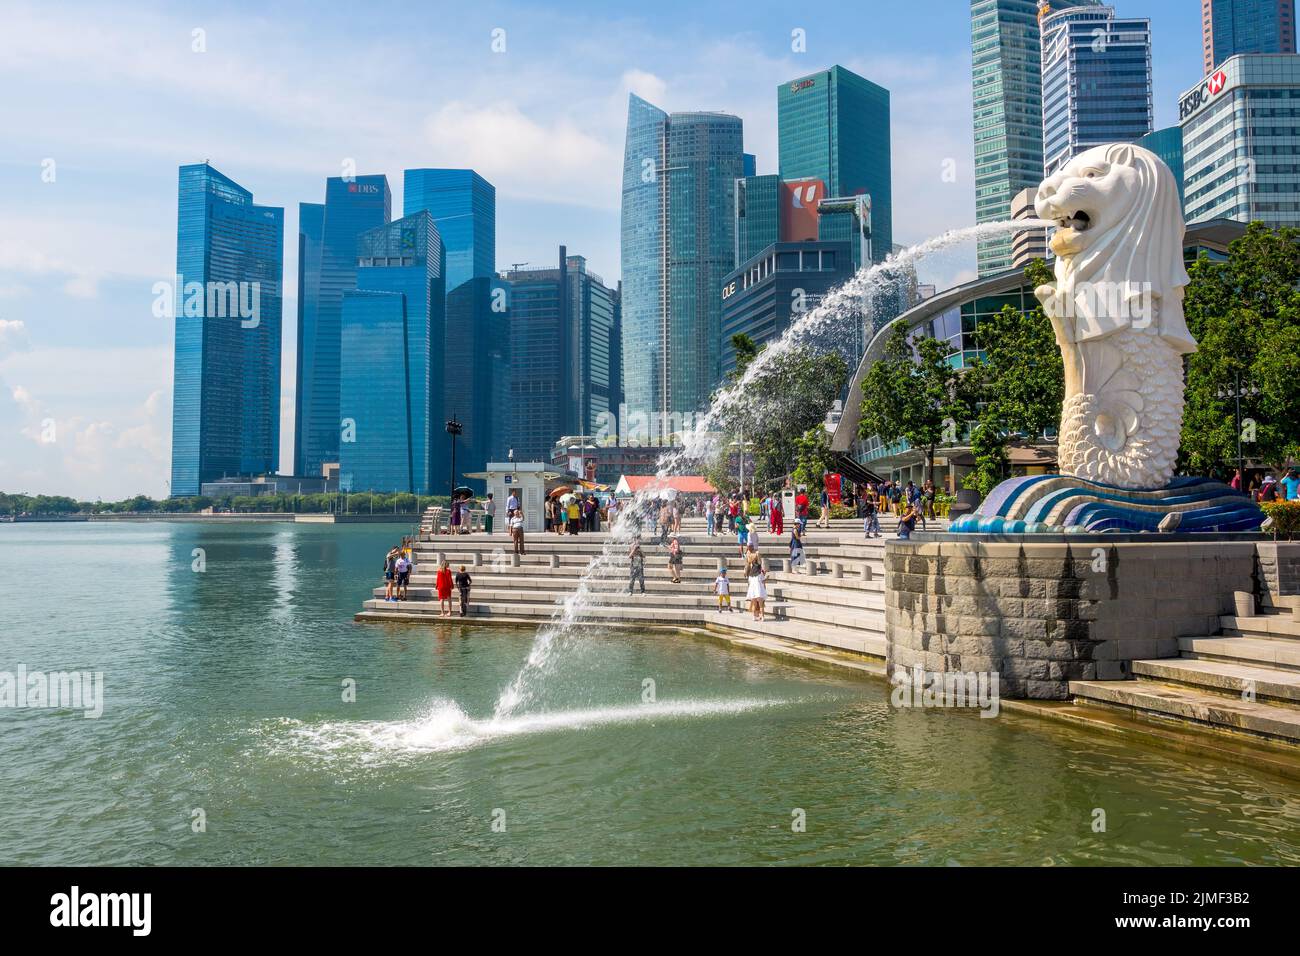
[(834, 610)]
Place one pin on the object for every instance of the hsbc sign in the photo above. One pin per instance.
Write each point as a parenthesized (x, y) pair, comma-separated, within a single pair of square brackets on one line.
[(1210, 87)]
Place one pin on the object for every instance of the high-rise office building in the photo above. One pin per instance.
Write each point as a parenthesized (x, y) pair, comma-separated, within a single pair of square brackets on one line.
[(464, 208), (1006, 74), (1096, 81), (226, 389), (390, 373), (775, 287), (562, 339), (1241, 139), (1027, 244), (678, 222), (477, 370), (326, 270), (1229, 27), (758, 214), (834, 126)]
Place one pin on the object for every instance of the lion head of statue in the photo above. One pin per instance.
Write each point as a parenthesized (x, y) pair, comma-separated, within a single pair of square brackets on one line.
[(1119, 221)]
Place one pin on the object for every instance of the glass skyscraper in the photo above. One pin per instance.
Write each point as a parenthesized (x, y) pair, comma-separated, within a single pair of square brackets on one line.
[(228, 299), (391, 344), (464, 208), (834, 126), (328, 268), (562, 340), (1229, 27), (758, 214), (678, 222), (1241, 141), (1167, 143), (1096, 81), (1008, 112), (476, 363)]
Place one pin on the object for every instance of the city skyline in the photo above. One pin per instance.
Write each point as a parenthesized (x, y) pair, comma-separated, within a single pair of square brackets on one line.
[(103, 372)]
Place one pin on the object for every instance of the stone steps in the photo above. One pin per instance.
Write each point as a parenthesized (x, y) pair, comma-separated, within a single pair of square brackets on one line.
[(1282, 626), (853, 641), (1239, 649), (1214, 711), (1224, 678)]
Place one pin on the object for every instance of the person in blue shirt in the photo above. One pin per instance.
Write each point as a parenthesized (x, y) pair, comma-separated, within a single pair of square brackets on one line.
[(1292, 485)]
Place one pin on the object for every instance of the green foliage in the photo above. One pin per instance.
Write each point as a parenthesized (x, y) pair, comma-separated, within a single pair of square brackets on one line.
[(785, 399), (1245, 315), (1286, 518), (988, 446), (914, 393), (812, 455)]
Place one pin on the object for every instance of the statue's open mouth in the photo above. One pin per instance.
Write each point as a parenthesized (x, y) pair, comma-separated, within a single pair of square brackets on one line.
[(1079, 222)]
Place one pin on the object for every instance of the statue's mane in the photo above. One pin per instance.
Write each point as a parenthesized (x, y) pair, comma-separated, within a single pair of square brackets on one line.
[(1144, 248)]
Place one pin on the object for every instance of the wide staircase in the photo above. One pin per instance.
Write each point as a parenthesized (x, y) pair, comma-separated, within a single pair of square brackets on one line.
[(1244, 680), (835, 602)]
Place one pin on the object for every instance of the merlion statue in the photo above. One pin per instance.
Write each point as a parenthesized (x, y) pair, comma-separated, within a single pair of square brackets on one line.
[(1117, 308)]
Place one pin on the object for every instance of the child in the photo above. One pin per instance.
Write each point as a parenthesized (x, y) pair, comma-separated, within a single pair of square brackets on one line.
[(463, 581), (742, 531), (722, 588)]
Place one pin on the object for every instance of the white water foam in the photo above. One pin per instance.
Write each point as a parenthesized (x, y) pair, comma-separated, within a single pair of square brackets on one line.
[(446, 727), (819, 330)]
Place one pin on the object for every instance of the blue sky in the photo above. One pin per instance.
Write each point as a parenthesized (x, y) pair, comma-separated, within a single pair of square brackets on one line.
[(285, 93)]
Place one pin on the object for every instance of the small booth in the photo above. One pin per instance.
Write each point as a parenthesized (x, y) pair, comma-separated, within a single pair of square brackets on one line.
[(529, 481)]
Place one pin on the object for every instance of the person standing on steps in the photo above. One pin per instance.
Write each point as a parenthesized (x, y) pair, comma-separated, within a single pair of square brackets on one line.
[(756, 593), (870, 520), (776, 516), (907, 523), (710, 515), (489, 513), (636, 566), (797, 559), (512, 503), (675, 559), (801, 512), (742, 531), (824, 519), (390, 573), (463, 582), (722, 588), (517, 530), (443, 584), (403, 568)]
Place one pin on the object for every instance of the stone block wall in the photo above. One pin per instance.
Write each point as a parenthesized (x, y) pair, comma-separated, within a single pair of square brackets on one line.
[(1277, 568), (1042, 612)]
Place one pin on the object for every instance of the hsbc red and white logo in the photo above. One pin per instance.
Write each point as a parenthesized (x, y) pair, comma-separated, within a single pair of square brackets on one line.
[(1212, 86)]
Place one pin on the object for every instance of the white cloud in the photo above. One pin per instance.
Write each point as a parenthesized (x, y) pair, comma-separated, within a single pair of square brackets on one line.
[(13, 337)]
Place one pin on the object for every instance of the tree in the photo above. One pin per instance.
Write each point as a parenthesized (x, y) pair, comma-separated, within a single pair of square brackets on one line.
[(1245, 315), (812, 456), (786, 396), (912, 393)]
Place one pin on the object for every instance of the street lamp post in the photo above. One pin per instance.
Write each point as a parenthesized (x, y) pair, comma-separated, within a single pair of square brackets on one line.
[(1237, 392), (454, 428)]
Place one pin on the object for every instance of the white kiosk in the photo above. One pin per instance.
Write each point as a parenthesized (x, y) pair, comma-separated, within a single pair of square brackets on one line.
[(527, 480)]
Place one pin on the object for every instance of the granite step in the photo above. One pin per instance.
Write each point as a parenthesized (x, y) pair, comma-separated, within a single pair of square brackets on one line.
[(1168, 701), (1225, 678), (1242, 650), (1268, 625), (858, 620)]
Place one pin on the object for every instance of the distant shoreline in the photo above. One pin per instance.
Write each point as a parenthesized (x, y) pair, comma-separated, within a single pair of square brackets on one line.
[(185, 516)]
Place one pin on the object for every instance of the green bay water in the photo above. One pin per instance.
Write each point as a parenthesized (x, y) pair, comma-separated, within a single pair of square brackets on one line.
[(224, 692)]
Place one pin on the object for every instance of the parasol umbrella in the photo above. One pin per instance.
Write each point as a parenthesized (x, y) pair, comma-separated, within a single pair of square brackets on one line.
[(668, 494), (568, 498), (556, 492), (463, 492)]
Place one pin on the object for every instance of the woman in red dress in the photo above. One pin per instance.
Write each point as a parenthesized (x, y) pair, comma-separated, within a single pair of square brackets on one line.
[(443, 584), (776, 516)]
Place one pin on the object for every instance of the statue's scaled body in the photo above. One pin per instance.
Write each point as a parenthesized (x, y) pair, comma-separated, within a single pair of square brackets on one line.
[(1117, 308)]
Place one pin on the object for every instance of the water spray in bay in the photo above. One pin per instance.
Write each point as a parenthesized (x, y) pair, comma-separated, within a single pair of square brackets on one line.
[(821, 329)]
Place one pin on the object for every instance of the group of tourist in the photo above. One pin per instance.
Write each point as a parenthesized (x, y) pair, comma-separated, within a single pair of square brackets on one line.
[(1269, 488), (443, 583), (571, 513)]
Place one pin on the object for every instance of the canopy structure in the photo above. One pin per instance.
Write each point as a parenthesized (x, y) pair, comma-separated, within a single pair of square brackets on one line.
[(682, 484)]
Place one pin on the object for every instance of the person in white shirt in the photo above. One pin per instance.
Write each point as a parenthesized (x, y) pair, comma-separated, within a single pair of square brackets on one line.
[(722, 588), (512, 503), (489, 513), (516, 524)]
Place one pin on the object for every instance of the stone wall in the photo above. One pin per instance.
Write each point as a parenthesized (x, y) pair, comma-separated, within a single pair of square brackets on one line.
[(1042, 611), (1277, 568)]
